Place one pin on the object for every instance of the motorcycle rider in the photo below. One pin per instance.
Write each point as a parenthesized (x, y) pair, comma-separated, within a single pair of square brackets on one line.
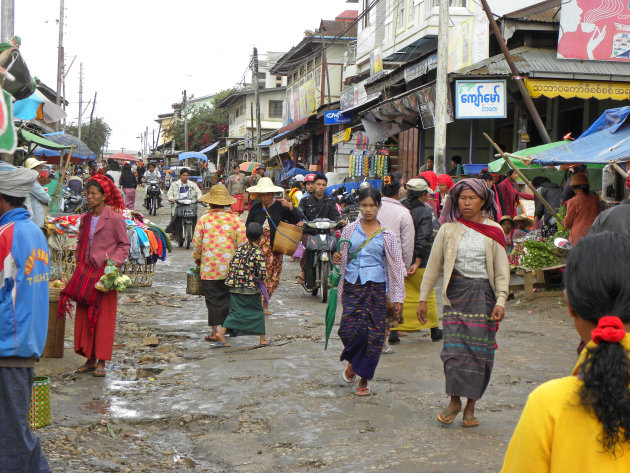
[(181, 189), (152, 174), (315, 205)]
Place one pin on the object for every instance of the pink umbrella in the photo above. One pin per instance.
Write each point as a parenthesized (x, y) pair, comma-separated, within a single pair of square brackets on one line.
[(124, 157)]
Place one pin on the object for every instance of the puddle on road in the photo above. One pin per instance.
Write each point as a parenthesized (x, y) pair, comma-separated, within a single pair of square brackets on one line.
[(118, 408)]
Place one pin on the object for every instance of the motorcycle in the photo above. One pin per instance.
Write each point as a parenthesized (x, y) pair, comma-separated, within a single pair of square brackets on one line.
[(74, 203), (323, 245), (186, 210), (153, 196)]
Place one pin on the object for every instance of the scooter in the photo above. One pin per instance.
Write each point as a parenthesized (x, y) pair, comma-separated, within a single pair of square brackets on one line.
[(186, 210), (74, 203), (323, 245), (153, 196)]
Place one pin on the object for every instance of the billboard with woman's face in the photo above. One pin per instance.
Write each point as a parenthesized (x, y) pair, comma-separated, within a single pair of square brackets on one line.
[(595, 29)]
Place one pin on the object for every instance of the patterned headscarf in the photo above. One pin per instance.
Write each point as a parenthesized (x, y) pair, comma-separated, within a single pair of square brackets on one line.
[(451, 213), (445, 179), (112, 194), (431, 178)]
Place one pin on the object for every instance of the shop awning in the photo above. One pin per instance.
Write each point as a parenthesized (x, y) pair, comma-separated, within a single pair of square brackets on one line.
[(608, 139), (210, 148), (500, 166), (41, 141), (80, 151)]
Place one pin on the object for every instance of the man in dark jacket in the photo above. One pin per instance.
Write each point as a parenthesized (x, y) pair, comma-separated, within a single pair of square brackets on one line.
[(553, 195), (616, 219), (316, 205)]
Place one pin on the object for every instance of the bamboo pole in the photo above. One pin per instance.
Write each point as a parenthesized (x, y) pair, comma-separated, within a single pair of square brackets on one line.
[(527, 182), (618, 168), (63, 174)]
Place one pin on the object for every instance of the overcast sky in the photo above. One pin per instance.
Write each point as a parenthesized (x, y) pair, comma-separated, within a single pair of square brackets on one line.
[(139, 55)]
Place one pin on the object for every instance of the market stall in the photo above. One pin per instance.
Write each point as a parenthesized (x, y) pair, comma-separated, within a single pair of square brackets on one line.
[(149, 244)]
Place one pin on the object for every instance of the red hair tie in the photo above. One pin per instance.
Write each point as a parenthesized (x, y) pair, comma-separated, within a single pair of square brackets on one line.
[(609, 329)]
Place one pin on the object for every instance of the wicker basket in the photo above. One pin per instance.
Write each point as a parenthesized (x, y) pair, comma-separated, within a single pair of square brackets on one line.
[(141, 274), (193, 284), (287, 238), (39, 412)]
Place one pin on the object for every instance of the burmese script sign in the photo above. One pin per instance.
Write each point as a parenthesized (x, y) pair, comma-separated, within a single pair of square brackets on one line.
[(480, 99)]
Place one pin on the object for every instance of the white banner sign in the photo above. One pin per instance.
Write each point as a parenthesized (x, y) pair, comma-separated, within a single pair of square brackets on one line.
[(480, 99)]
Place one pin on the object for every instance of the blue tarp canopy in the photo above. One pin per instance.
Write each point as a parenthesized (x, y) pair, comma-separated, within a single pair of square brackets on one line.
[(81, 151), (192, 155), (210, 148), (607, 139)]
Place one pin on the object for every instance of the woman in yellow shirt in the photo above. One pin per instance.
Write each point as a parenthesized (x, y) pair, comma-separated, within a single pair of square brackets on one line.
[(581, 423)]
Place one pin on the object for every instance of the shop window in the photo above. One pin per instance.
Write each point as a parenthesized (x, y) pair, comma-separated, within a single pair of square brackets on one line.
[(400, 17), (275, 109)]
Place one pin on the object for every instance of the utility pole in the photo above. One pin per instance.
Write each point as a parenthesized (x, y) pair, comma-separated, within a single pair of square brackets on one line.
[(91, 119), (80, 98), (7, 18), (529, 103), (441, 93), (185, 123), (60, 56), (146, 142), (257, 98)]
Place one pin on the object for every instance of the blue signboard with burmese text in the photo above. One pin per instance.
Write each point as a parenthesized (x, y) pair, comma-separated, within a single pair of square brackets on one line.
[(480, 99), (336, 117)]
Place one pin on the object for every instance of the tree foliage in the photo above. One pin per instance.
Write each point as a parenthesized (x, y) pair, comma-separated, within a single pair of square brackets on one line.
[(206, 124), (94, 139)]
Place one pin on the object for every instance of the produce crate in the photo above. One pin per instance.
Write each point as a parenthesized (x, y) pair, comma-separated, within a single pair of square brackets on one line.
[(141, 274)]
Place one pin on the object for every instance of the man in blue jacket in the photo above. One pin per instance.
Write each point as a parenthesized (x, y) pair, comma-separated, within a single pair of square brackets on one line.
[(23, 320)]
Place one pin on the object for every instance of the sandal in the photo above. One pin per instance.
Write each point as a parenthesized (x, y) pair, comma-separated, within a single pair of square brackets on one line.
[(221, 345), (99, 373), (446, 417), (348, 379), (299, 280), (268, 344), (363, 391), (85, 369), (389, 351), (470, 422), (211, 338)]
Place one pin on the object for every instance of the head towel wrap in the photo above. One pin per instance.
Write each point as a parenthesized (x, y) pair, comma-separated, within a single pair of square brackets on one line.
[(17, 182), (112, 195), (451, 213)]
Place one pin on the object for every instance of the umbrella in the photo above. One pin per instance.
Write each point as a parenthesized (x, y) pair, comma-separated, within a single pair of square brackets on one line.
[(81, 150), (124, 157), (249, 166), (331, 308), (192, 155)]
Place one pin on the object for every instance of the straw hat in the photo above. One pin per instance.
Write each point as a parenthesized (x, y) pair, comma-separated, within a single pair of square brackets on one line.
[(265, 186), (524, 218), (31, 163), (218, 195), (506, 218)]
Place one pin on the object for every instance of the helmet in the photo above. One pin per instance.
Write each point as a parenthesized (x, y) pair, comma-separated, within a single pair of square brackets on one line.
[(310, 178), (298, 178), (364, 185)]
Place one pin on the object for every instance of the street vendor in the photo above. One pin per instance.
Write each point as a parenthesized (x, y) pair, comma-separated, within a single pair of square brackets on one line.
[(102, 236), (235, 184), (581, 209), (511, 233)]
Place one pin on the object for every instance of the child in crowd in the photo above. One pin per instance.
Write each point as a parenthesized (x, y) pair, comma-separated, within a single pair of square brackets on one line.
[(244, 278)]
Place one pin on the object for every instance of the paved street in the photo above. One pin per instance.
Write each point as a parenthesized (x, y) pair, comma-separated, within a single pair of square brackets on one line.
[(182, 406)]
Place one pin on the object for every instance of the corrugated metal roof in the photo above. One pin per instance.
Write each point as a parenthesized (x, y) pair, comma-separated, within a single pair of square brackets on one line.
[(546, 11), (544, 63)]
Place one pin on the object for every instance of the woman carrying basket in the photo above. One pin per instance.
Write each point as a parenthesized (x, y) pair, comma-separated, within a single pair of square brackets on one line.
[(102, 236), (269, 212)]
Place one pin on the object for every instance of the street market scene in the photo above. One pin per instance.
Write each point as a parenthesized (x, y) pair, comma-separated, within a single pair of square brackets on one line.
[(366, 235)]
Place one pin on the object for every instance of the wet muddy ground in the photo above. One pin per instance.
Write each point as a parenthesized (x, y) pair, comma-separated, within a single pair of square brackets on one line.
[(182, 406)]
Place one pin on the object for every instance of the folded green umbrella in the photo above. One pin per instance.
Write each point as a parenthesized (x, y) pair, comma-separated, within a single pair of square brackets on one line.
[(331, 308)]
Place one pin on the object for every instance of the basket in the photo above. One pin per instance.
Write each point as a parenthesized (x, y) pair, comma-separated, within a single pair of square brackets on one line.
[(141, 275), (193, 284), (39, 412), (287, 238), (63, 261)]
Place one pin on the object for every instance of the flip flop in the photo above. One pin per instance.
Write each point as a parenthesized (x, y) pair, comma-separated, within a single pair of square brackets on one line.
[(85, 369), (268, 344), (389, 351), (99, 373), (470, 422), (363, 391), (444, 416), (346, 379), (211, 338), (220, 345)]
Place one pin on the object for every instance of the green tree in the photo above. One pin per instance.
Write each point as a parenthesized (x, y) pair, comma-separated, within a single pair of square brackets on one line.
[(95, 138), (206, 124)]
